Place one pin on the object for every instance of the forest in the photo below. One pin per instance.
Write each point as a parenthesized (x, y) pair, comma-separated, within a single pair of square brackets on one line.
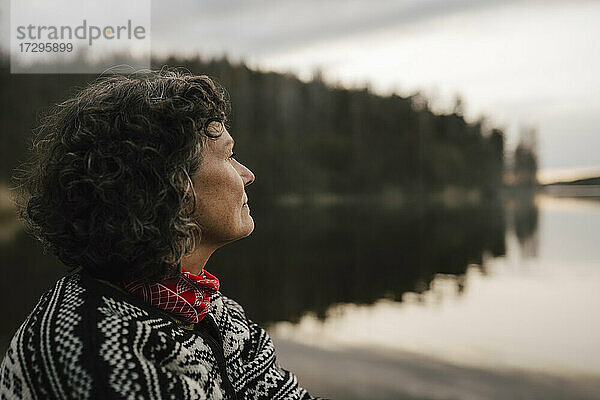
[(306, 138)]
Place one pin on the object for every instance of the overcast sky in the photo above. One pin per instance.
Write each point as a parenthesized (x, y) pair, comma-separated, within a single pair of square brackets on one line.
[(518, 62), (521, 63)]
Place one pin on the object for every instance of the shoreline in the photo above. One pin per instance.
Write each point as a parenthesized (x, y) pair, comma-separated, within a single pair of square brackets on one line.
[(360, 374)]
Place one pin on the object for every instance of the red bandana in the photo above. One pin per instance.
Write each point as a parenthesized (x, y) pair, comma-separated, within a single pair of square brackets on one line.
[(186, 295)]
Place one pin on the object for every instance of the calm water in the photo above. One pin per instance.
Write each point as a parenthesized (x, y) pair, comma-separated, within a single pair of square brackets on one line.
[(501, 286), (537, 307)]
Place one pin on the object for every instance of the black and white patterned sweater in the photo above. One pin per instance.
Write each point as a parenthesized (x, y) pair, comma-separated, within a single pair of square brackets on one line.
[(86, 339)]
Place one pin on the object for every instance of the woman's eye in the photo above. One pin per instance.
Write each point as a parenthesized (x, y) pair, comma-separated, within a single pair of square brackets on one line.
[(214, 127)]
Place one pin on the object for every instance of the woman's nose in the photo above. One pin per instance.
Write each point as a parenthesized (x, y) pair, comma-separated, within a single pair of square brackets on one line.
[(247, 175)]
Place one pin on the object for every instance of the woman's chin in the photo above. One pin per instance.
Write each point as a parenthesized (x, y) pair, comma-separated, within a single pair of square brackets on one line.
[(250, 227), (246, 229)]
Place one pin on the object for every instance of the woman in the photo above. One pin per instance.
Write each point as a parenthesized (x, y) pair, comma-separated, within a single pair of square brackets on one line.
[(133, 183)]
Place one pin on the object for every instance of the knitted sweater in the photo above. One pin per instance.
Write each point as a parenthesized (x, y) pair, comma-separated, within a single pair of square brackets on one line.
[(86, 339)]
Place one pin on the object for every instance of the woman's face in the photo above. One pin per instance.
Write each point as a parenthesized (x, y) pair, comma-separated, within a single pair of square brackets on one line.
[(222, 210)]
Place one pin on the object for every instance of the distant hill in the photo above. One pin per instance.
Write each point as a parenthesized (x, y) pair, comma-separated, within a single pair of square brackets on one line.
[(586, 181)]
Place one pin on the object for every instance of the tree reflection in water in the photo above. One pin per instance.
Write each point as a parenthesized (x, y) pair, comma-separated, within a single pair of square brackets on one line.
[(307, 258)]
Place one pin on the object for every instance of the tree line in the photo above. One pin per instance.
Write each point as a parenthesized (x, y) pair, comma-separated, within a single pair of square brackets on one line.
[(306, 137)]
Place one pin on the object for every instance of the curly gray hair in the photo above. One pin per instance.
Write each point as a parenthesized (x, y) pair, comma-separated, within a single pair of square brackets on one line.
[(108, 185)]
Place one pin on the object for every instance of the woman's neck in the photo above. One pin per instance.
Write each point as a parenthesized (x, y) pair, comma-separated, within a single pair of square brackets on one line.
[(196, 261)]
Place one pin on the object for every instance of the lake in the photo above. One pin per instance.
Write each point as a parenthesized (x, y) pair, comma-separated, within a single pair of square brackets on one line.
[(497, 299)]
